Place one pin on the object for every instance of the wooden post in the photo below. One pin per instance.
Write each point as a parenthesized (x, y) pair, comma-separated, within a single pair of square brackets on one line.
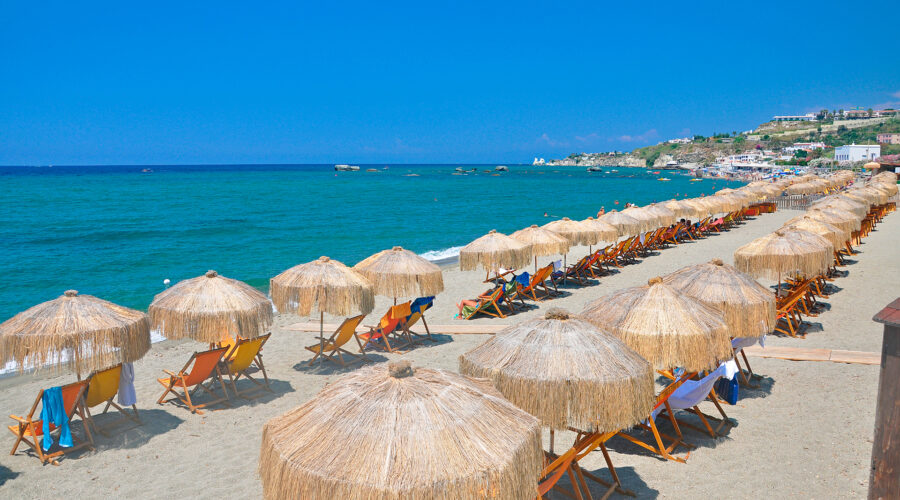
[(884, 477)]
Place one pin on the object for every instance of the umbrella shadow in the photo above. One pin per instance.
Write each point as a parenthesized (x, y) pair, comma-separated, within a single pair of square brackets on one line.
[(762, 387), (120, 433), (330, 368), (253, 394), (627, 476), (7, 474)]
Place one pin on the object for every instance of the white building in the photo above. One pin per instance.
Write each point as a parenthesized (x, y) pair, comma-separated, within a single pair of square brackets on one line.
[(808, 117), (857, 152), (805, 146), (682, 140)]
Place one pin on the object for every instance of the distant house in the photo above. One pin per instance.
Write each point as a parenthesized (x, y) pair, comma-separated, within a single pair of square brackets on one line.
[(808, 117), (857, 152), (805, 146), (855, 114), (886, 112), (683, 140), (889, 138)]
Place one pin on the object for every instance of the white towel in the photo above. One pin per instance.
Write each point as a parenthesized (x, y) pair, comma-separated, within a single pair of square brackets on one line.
[(557, 265), (742, 342), (127, 395), (692, 392)]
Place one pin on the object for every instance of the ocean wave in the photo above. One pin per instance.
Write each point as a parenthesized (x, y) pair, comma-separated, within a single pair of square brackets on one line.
[(441, 255)]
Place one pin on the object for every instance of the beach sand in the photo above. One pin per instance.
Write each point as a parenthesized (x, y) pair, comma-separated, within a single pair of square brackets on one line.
[(806, 432)]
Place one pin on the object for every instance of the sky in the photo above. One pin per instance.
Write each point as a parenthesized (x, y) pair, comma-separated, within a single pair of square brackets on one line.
[(420, 82)]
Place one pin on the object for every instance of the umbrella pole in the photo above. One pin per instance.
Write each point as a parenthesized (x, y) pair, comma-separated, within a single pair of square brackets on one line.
[(321, 337), (535, 263), (551, 440), (77, 365)]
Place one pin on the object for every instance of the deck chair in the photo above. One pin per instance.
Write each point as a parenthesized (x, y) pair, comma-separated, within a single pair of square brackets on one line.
[(334, 345), (737, 345), (240, 358), (418, 308), (587, 442), (692, 392), (532, 286), (659, 446), (203, 366), (554, 469), (30, 430), (103, 388), (392, 324), (487, 304), (787, 314)]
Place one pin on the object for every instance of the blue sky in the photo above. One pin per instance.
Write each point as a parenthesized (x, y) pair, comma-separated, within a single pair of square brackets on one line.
[(391, 82)]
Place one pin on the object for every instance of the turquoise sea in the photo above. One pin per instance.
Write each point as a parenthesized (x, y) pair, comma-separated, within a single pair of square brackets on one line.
[(117, 232)]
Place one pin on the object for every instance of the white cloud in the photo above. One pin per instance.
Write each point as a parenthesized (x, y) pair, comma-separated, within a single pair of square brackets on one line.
[(547, 140), (646, 136)]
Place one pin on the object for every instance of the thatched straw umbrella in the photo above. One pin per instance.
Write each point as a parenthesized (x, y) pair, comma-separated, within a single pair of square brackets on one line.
[(836, 236), (663, 325), (566, 372), (543, 242), (648, 220), (889, 188), (576, 232), (400, 273), (665, 215), (391, 432), (606, 232), (747, 307), (624, 224), (862, 195), (839, 202), (211, 308), (493, 251), (323, 285), (700, 206), (782, 252), (843, 219), (90, 333), (680, 209)]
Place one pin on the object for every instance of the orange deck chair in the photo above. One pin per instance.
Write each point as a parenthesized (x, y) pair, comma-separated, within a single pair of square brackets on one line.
[(30, 430), (334, 345), (103, 388), (240, 359), (537, 280), (392, 324), (659, 447), (203, 365)]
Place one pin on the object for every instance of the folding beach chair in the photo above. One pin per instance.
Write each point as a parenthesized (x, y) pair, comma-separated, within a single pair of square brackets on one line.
[(487, 304), (334, 345), (418, 308), (392, 324), (692, 392), (737, 345), (103, 388), (31, 431), (555, 468), (240, 359), (587, 442), (203, 365), (531, 286), (787, 313)]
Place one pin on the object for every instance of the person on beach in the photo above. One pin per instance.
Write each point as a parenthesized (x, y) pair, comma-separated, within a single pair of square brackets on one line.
[(601, 212)]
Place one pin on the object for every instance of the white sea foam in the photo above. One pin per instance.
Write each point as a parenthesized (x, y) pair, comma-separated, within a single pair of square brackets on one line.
[(445, 255)]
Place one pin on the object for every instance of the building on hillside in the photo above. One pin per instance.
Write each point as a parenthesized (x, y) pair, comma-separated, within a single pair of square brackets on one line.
[(808, 117), (683, 140), (887, 112), (857, 152), (804, 146), (856, 114), (889, 138)]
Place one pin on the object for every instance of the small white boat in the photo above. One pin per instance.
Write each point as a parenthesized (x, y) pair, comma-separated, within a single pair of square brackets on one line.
[(346, 168)]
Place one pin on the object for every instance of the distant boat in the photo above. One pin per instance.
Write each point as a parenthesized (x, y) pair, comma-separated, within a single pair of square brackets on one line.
[(147, 171), (663, 179), (696, 180), (595, 169), (346, 168), (670, 165), (371, 170), (501, 168), (613, 170)]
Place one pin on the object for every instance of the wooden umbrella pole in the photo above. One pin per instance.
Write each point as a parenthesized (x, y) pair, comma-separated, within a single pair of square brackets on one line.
[(535, 263), (552, 434), (321, 337), (77, 364)]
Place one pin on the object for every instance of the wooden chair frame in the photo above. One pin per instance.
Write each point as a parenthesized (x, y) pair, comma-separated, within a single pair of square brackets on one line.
[(338, 351), (181, 376), (133, 415), (26, 429), (226, 366)]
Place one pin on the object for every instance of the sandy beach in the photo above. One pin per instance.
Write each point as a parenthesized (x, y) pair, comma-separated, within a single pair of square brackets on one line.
[(806, 432)]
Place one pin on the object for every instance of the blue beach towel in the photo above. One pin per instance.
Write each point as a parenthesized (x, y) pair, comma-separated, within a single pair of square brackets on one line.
[(54, 411), (420, 305), (523, 279)]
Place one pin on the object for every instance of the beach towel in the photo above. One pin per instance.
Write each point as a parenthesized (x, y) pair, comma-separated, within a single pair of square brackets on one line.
[(742, 342), (523, 279), (692, 392), (53, 411), (127, 395), (557, 265)]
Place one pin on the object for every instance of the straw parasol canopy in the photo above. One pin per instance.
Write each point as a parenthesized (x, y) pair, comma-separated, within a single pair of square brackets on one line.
[(872, 166), (576, 232), (324, 286), (606, 232), (566, 372), (863, 196), (625, 224), (391, 432), (648, 220), (664, 215), (888, 188), (836, 217), (835, 235), (211, 308), (89, 332), (665, 326), (543, 241), (747, 307), (844, 203), (493, 251), (701, 208), (782, 253), (400, 273), (681, 209)]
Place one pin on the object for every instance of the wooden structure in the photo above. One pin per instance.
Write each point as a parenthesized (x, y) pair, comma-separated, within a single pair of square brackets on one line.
[(884, 478)]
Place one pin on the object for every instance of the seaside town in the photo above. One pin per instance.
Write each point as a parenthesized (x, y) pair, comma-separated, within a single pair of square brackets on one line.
[(787, 145)]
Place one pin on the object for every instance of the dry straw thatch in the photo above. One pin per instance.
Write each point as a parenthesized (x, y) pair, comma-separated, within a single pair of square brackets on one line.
[(323, 286), (543, 241), (390, 432), (835, 235), (681, 208), (663, 214), (782, 253), (90, 333), (624, 224), (747, 307), (400, 273), (844, 203), (566, 372), (889, 188), (840, 218), (576, 232), (667, 327), (211, 308), (862, 196), (606, 232), (493, 251), (700, 206), (648, 221)]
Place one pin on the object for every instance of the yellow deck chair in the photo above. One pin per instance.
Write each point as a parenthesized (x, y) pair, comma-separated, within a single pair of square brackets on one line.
[(240, 358), (334, 345), (103, 388)]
